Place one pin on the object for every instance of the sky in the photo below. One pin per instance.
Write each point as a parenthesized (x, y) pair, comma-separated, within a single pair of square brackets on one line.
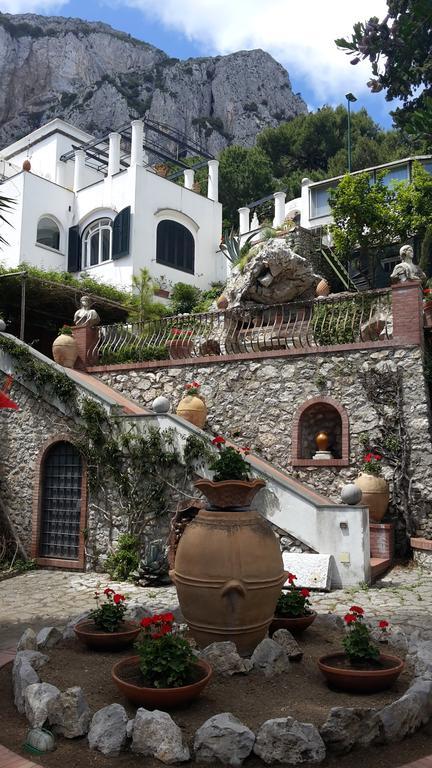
[(298, 33)]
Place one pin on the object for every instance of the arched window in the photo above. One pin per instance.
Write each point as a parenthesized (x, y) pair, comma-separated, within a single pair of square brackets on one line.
[(175, 246), (48, 233), (97, 243), (60, 506)]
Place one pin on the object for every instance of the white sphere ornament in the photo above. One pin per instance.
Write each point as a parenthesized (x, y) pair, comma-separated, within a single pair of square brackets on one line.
[(351, 494), (161, 404), (2, 324)]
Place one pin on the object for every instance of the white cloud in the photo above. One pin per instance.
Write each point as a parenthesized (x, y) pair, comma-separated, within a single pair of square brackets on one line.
[(31, 6), (298, 33)]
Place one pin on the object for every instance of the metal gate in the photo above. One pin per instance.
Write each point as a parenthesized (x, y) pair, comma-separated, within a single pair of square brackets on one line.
[(61, 503)]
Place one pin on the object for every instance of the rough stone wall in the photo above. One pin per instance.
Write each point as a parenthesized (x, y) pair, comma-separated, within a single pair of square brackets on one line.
[(255, 402)]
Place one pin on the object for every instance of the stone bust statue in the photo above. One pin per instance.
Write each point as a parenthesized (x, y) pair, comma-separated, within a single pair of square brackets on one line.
[(85, 317), (406, 270)]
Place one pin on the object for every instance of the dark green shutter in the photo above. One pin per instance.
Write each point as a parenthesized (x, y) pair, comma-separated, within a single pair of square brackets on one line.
[(74, 250), (121, 234)]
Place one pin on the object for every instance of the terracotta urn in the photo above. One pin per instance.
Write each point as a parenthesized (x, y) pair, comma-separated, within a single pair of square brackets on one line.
[(295, 625), (65, 350), (375, 495), (226, 494), (107, 641), (340, 674), (323, 288), (222, 302), (126, 677), (322, 441), (228, 572), (193, 409)]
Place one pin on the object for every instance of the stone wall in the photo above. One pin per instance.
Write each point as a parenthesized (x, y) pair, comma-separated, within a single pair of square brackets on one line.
[(255, 403)]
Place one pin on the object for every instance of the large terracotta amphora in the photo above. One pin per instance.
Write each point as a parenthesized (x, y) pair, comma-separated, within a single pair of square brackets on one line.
[(193, 409), (375, 495), (65, 350), (228, 573)]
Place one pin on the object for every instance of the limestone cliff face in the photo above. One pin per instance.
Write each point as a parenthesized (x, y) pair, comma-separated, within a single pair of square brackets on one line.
[(99, 79)]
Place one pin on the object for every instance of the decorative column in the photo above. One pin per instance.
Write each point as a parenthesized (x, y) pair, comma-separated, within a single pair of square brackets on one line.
[(279, 209), (213, 180), (79, 170), (114, 154), (137, 150), (244, 225), (189, 175), (407, 306)]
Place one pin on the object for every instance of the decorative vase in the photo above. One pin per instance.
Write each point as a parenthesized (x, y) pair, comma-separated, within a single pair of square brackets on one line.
[(322, 441), (339, 673), (228, 570), (65, 350), (126, 677), (427, 314), (193, 409), (296, 625), (107, 641), (222, 302), (323, 288), (375, 494), (228, 494)]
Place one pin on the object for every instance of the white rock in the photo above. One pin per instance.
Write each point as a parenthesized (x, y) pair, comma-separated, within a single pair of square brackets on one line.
[(71, 714), (107, 731), (285, 639), (36, 659), (329, 621), (225, 659), (285, 740), (347, 727), (223, 737), (23, 675), (312, 571), (269, 658), (68, 632), (129, 728), (155, 734), (48, 637), (407, 714), (39, 701), (27, 641)]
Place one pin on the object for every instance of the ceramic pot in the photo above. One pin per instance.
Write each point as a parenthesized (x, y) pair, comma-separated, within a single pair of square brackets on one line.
[(375, 495), (294, 625), (157, 698), (229, 494), (340, 675), (323, 288), (65, 350), (427, 314), (107, 641), (322, 441), (193, 409), (228, 573)]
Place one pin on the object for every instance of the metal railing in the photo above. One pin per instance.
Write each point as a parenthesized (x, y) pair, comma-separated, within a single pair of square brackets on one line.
[(344, 319)]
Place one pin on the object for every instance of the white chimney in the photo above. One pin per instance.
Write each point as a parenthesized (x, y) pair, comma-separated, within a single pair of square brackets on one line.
[(189, 175), (279, 209), (79, 170), (213, 180), (137, 150), (114, 154), (244, 225)]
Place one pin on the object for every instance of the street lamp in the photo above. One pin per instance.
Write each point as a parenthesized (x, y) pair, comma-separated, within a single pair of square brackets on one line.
[(350, 99)]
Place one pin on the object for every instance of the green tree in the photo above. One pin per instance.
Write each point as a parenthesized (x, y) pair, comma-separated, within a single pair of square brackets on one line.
[(6, 205), (142, 302), (399, 49), (413, 204), (184, 298), (244, 175)]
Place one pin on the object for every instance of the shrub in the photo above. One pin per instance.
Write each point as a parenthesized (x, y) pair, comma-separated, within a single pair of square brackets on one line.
[(130, 354), (184, 298), (125, 559)]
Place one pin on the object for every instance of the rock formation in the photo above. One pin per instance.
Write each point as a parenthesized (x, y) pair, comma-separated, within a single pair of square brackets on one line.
[(98, 79)]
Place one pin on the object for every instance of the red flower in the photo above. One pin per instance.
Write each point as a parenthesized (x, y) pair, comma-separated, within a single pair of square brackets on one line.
[(304, 592), (357, 609), (146, 622), (108, 591), (218, 440), (118, 599), (368, 457), (377, 457), (168, 617), (383, 624), (350, 618), (291, 578), (246, 450)]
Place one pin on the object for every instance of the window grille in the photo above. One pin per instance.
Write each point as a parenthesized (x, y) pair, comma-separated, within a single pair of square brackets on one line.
[(61, 503)]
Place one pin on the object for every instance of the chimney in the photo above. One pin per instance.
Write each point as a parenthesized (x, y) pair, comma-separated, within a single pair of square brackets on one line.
[(114, 154), (79, 170), (137, 151), (213, 180), (279, 209), (244, 225), (189, 175)]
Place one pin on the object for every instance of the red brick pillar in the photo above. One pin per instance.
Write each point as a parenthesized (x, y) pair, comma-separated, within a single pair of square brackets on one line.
[(86, 339), (407, 300)]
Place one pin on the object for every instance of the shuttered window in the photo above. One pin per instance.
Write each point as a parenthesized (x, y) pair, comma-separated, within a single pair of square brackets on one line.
[(175, 246)]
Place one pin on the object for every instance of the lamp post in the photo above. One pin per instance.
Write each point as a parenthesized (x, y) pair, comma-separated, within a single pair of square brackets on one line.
[(350, 99)]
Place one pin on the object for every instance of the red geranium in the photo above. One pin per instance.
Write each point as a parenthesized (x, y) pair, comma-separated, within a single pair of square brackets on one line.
[(291, 578), (218, 440), (304, 592), (118, 599), (383, 624), (357, 609), (108, 591), (350, 618)]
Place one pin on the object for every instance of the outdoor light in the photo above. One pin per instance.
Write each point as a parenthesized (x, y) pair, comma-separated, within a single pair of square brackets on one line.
[(350, 99)]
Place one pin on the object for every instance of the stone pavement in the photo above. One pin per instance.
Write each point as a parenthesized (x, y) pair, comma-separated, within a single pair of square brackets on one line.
[(42, 598)]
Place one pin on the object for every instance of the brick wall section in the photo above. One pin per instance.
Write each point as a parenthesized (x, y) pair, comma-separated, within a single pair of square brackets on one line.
[(407, 303), (86, 339)]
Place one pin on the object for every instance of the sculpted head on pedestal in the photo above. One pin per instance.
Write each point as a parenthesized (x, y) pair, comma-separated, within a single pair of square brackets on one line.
[(85, 316)]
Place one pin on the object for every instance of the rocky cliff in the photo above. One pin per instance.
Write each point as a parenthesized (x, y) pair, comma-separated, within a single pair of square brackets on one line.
[(98, 79)]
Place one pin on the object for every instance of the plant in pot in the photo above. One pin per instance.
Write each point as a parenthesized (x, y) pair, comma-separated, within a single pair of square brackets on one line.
[(180, 343), (165, 673), (106, 629), (293, 608), (232, 485), (64, 348), (192, 406), (362, 668), (375, 489)]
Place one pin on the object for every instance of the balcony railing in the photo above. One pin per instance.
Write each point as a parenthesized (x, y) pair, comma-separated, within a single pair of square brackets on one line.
[(344, 319)]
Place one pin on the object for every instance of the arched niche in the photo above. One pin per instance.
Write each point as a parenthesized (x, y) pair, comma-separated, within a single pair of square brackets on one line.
[(320, 414)]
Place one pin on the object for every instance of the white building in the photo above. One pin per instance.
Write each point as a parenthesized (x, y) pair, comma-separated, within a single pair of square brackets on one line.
[(98, 206)]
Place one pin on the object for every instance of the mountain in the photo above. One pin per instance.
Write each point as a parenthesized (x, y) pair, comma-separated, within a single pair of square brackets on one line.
[(98, 79)]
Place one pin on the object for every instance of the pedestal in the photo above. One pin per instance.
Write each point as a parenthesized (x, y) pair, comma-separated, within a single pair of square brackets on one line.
[(86, 339), (322, 456), (382, 540)]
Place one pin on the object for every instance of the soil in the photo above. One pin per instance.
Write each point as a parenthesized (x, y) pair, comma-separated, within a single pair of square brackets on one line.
[(300, 693)]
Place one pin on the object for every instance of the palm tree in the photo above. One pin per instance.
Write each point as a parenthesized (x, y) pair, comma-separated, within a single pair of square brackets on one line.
[(6, 204)]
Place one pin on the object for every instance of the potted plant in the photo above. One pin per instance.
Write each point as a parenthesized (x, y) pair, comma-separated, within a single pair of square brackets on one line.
[(427, 307), (192, 406), (180, 343), (362, 668), (107, 629), (228, 567), (165, 673), (64, 348), (375, 490), (293, 608)]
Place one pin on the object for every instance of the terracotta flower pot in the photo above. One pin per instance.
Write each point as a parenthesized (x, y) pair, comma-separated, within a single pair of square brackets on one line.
[(107, 641), (193, 409), (229, 494), (65, 350), (125, 672), (323, 288), (339, 674), (294, 625), (375, 495)]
